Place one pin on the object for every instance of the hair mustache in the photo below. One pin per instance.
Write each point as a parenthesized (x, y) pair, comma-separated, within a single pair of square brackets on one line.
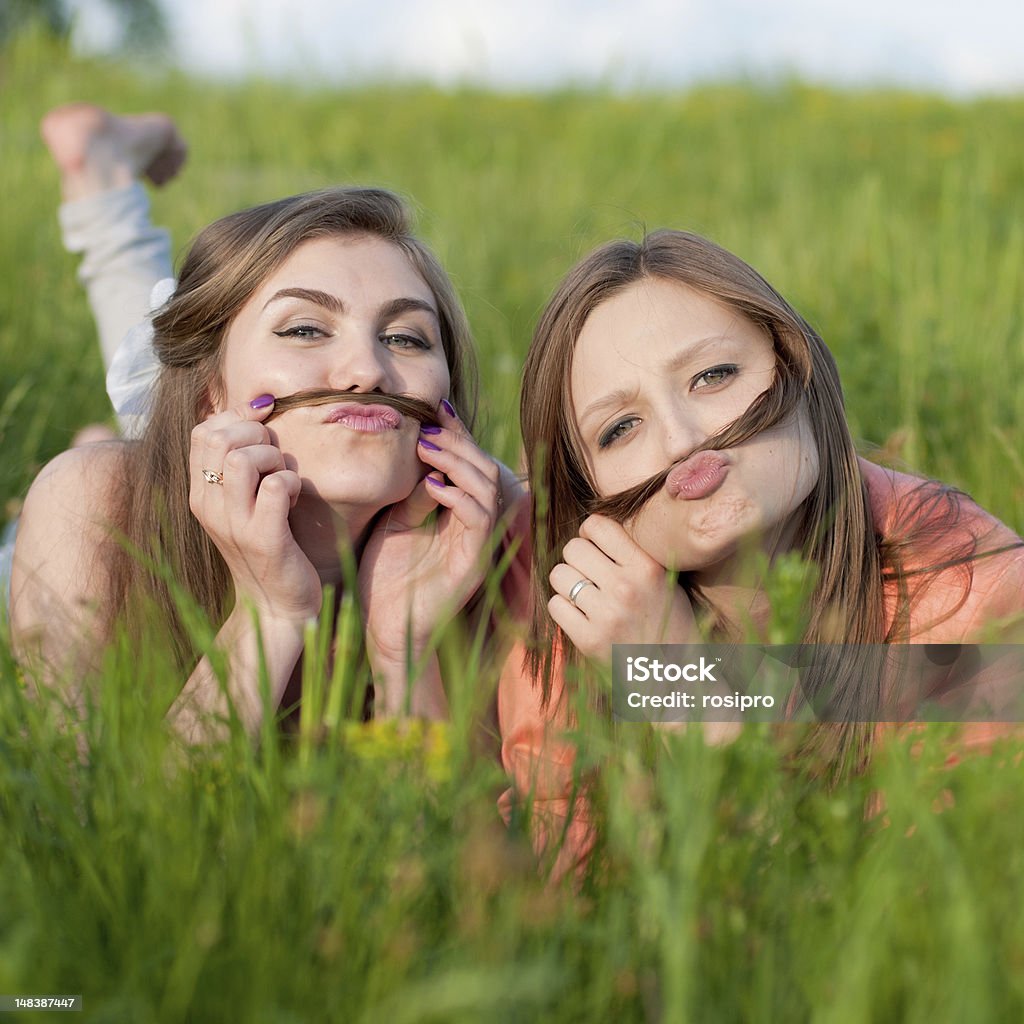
[(768, 409), (407, 405)]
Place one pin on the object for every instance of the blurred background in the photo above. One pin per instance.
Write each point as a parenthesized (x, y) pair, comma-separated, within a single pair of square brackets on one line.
[(865, 157), (945, 45)]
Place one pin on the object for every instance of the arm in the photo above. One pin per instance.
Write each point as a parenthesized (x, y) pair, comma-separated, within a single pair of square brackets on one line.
[(277, 589), (418, 569), (58, 581), (540, 762), (245, 638), (59, 586)]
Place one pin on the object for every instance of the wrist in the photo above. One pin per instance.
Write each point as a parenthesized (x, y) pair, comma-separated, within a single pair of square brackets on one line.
[(409, 687), (388, 649), (271, 624), (277, 616)]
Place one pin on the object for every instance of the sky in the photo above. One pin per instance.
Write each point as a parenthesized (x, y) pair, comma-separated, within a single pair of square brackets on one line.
[(959, 47)]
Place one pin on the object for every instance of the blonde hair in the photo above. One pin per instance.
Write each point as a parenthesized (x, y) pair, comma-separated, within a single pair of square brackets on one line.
[(224, 267)]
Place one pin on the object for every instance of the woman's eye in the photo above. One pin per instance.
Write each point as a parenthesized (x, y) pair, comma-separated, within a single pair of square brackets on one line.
[(716, 375), (302, 331), (617, 430), (399, 340)]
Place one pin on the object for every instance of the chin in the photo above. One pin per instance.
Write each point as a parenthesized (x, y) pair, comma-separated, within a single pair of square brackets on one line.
[(692, 560), (365, 490), (692, 543)]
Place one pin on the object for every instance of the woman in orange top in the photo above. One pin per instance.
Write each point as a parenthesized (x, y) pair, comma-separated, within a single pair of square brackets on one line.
[(678, 414)]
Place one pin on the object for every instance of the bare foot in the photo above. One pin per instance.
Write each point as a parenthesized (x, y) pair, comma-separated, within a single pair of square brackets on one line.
[(96, 151)]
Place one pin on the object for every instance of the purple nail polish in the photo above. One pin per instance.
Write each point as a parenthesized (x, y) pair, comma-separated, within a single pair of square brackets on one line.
[(449, 408), (429, 445), (262, 401), (436, 483), (427, 429)]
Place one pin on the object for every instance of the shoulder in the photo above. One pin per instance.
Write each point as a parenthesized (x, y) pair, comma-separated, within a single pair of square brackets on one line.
[(962, 567), (81, 483)]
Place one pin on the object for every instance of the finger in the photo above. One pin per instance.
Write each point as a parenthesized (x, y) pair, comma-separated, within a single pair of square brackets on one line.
[(564, 580), (242, 470), (222, 431), (475, 517), (481, 483), (414, 510), (275, 498), (612, 538), (448, 417), (256, 410), (461, 442), (571, 621), (588, 560), (210, 455)]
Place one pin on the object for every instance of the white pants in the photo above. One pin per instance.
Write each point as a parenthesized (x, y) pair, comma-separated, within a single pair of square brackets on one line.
[(126, 270)]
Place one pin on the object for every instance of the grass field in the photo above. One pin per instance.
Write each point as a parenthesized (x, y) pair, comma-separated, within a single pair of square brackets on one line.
[(366, 876)]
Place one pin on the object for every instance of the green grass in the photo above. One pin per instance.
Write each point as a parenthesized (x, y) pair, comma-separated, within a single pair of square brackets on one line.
[(366, 876)]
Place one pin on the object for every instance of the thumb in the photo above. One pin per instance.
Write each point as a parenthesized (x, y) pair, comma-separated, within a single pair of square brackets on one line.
[(412, 513)]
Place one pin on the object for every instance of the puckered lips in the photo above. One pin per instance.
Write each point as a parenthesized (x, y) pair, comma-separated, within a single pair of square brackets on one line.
[(698, 476), (366, 419)]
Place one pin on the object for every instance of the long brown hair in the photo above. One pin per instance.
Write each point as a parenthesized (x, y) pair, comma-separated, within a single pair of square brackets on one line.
[(835, 531), (168, 555)]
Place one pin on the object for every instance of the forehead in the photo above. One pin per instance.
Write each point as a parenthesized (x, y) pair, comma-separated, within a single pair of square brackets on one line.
[(358, 269), (647, 324)]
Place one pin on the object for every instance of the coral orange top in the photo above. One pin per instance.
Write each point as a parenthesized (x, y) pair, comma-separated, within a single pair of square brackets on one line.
[(951, 604)]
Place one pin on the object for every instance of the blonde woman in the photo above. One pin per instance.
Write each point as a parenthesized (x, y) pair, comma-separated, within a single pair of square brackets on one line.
[(250, 503)]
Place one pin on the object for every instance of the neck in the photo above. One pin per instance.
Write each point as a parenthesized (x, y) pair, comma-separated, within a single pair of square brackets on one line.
[(743, 610), (734, 588)]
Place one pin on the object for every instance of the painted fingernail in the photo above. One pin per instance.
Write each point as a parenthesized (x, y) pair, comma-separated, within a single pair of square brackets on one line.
[(262, 402), (427, 429), (429, 445), (449, 408), (436, 483)]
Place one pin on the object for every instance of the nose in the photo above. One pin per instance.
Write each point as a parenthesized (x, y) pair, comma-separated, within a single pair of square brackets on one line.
[(361, 365), (681, 433)]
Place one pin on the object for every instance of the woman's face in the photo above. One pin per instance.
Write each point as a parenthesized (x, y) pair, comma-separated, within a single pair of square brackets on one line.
[(657, 369), (349, 313)]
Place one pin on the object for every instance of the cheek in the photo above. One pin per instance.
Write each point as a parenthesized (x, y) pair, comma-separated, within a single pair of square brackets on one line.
[(439, 383)]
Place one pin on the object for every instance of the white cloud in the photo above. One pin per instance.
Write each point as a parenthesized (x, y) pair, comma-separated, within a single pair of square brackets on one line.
[(942, 44)]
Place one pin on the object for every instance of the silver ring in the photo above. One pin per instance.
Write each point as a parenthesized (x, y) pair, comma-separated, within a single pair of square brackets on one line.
[(211, 476), (577, 588)]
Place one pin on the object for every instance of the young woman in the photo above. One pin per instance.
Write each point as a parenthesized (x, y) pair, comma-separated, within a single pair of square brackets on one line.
[(679, 415), (251, 516)]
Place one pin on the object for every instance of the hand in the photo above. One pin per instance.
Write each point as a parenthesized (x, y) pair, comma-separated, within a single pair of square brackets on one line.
[(246, 515), (417, 569), (628, 597)]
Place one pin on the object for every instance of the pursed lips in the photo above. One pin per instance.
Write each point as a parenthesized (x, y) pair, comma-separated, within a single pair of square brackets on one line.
[(369, 419), (698, 476)]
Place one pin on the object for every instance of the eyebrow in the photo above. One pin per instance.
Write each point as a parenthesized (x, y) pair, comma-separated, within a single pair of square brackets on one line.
[(317, 297), (395, 307), (621, 395), (391, 308)]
